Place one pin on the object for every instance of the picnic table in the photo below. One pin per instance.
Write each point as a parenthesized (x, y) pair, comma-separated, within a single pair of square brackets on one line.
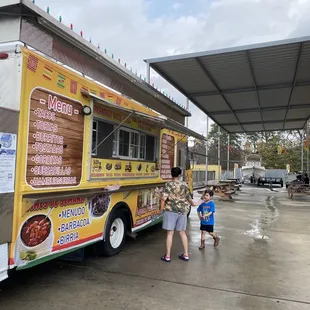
[(235, 183), (222, 189), (298, 189)]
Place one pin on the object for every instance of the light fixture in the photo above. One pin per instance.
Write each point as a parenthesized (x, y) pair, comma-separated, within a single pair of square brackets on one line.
[(86, 110)]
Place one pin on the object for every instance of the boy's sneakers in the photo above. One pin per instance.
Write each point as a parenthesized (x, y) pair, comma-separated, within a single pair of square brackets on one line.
[(216, 241)]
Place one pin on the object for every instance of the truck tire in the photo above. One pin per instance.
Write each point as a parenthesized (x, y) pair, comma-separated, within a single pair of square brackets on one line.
[(116, 230)]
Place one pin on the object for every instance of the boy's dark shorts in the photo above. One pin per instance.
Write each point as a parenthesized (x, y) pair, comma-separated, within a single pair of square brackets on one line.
[(208, 228)]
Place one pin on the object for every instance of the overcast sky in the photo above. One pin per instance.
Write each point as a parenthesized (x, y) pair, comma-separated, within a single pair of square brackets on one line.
[(138, 29)]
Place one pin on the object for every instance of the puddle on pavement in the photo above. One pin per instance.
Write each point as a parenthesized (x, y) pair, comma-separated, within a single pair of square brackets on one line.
[(261, 225)]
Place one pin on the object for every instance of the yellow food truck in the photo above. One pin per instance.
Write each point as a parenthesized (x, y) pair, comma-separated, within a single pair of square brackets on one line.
[(80, 163), (85, 165)]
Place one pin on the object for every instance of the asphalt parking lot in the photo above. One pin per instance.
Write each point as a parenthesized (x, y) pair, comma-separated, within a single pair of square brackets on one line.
[(262, 262)]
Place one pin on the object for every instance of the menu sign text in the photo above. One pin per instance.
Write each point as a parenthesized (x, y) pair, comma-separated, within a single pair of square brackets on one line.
[(167, 156), (55, 141)]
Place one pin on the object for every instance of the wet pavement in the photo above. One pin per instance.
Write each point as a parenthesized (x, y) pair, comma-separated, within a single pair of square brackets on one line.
[(262, 262)]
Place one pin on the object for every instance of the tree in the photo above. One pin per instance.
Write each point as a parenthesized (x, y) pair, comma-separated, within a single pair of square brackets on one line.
[(277, 148), (198, 151), (235, 150)]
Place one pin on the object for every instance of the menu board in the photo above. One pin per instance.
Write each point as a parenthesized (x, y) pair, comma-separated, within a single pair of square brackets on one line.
[(55, 141), (115, 169), (167, 156)]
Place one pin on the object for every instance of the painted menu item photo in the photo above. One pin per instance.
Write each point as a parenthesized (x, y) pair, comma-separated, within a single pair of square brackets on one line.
[(35, 238), (118, 166), (114, 169), (99, 205), (35, 230), (108, 166), (97, 165), (139, 167), (128, 167)]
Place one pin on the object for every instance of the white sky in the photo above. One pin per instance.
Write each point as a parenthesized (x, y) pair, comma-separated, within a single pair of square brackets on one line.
[(138, 29)]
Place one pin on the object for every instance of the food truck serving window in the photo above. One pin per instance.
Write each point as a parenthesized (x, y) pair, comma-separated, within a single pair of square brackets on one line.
[(102, 130), (122, 142)]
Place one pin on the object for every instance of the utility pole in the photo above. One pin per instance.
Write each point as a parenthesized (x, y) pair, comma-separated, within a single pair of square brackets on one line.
[(207, 133), (187, 108), (307, 139)]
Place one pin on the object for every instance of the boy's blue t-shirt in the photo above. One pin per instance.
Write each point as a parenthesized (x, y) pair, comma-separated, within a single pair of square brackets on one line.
[(205, 208)]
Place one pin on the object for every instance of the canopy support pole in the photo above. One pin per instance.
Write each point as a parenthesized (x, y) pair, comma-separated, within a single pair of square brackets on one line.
[(302, 152), (228, 152), (219, 152)]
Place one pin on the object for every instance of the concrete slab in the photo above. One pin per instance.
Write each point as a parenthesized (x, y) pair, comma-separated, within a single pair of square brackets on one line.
[(262, 262)]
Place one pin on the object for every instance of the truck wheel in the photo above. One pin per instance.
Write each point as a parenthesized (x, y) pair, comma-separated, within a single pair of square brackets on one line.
[(115, 234)]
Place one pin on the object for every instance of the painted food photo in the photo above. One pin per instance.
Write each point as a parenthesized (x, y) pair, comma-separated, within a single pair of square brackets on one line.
[(99, 205), (108, 166), (35, 230), (118, 166), (34, 236)]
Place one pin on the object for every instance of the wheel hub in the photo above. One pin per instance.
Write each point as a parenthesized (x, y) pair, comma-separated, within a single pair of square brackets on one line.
[(117, 232)]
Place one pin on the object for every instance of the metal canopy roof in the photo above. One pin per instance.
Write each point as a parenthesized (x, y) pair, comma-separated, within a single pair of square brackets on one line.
[(261, 87)]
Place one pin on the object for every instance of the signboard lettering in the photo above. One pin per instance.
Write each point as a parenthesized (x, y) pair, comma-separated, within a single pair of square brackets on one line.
[(55, 141), (167, 156)]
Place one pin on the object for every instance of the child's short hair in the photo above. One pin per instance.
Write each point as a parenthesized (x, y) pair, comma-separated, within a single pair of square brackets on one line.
[(209, 191), (175, 172)]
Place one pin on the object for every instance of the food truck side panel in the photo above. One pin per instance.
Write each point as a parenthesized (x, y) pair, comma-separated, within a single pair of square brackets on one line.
[(44, 229), (51, 151), (9, 114)]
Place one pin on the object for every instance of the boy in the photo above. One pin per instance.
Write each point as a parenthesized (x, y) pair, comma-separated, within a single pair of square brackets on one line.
[(205, 213)]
